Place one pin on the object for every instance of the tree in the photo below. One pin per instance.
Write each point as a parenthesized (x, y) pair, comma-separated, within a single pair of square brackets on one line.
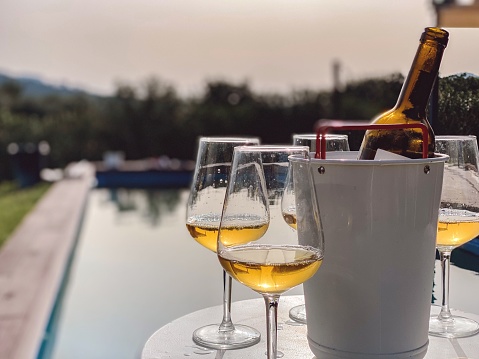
[(458, 112)]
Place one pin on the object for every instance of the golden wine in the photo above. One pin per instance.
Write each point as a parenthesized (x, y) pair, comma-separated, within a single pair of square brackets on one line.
[(290, 219), (456, 228), (411, 105), (271, 269), (204, 229), (204, 233), (236, 235)]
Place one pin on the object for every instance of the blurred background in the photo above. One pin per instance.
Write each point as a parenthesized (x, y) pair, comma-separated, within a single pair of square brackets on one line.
[(123, 81), (147, 77)]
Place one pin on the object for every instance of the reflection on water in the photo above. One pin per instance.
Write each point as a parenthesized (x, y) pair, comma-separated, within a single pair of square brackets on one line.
[(158, 202)]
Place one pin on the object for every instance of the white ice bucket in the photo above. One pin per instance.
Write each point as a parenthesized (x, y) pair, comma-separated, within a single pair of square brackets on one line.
[(371, 297)]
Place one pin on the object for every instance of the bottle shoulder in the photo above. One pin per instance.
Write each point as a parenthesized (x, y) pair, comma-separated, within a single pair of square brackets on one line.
[(397, 116), (392, 116)]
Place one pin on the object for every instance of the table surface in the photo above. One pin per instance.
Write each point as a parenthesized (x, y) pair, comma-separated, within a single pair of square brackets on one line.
[(174, 339)]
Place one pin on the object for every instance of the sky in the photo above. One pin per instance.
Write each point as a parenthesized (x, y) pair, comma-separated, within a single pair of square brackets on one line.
[(274, 46)]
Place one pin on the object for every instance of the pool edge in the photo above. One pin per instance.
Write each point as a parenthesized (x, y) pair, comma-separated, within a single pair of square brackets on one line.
[(33, 261)]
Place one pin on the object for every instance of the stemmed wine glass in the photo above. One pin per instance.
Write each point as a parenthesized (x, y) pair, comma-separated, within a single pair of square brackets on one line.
[(334, 142), (203, 214), (458, 223), (255, 245)]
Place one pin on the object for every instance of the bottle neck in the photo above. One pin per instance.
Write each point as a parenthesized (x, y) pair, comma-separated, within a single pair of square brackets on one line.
[(417, 87)]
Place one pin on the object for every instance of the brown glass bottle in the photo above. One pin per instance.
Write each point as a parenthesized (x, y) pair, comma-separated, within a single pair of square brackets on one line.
[(411, 104)]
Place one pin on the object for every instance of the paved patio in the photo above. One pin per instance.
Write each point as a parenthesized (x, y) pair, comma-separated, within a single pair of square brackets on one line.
[(33, 261)]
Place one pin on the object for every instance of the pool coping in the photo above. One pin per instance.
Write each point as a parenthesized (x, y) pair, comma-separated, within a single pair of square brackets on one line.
[(34, 259)]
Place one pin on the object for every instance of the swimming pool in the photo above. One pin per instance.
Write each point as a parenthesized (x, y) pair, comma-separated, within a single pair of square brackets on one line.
[(136, 268)]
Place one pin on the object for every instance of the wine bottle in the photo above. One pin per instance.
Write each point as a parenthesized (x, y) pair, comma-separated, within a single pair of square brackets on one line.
[(411, 104)]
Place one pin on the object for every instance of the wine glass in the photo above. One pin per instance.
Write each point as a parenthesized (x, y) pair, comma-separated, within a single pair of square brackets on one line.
[(255, 245), (458, 223), (203, 214), (334, 142)]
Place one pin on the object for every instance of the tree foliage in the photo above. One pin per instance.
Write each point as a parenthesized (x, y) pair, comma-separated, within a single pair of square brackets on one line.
[(458, 112), (150, 119)]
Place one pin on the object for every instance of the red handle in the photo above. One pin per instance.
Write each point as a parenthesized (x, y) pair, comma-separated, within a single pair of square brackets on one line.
[(324, 126)]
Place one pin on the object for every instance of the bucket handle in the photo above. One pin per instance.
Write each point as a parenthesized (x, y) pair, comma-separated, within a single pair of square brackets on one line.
[(324, 126)]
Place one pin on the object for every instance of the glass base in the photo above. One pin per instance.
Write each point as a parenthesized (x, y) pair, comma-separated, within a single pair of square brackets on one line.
[(211, 337), (298, 313), (278, 354), (455, 327)]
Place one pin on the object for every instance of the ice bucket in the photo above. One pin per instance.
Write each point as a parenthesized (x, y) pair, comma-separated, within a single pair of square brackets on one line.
[(371, 298)]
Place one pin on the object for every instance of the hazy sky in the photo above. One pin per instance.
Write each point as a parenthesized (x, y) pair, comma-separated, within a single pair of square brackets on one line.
[(274, 45)]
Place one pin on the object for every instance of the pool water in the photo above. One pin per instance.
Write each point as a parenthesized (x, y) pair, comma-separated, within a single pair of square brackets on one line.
[(136, 268)]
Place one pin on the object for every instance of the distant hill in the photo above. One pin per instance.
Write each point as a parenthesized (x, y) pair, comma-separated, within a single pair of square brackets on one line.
[(33, 87)]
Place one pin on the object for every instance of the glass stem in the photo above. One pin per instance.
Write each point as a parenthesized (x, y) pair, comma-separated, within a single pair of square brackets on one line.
[(226, 324), (272, 302), (445, 314)]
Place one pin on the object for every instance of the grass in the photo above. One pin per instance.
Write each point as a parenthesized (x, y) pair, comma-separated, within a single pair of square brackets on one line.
[(15, 203)]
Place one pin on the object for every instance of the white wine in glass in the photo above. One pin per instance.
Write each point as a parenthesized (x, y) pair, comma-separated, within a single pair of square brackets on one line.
[(458, 223), (203, 214), (334, 142), (255, 245)]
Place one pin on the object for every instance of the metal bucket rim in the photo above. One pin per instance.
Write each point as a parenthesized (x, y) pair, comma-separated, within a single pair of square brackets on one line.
[(439, 157)]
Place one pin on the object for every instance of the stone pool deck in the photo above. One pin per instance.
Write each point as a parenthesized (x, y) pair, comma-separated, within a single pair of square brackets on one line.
[(33, 262)]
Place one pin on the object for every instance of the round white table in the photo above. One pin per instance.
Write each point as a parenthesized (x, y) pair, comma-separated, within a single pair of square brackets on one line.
[(174, 339)]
